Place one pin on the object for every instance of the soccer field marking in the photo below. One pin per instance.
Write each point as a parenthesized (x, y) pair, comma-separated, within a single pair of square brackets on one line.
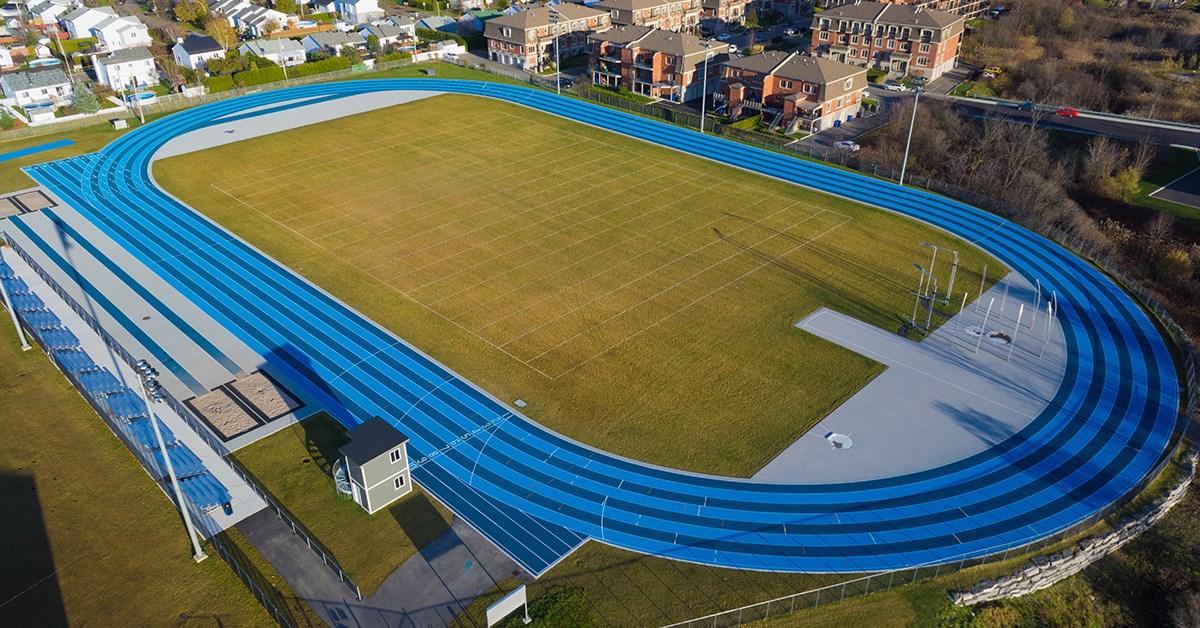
[(635, 334), (647, 274), (528, 210), (513, 250), (615, 227)]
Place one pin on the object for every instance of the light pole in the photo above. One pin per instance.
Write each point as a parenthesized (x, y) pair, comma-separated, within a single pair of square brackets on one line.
[(904, 164), (12, 311), (151, 389), (704, 83), (554, 17)]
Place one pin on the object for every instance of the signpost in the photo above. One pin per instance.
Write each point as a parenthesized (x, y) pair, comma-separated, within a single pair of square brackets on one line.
[(507, 605)]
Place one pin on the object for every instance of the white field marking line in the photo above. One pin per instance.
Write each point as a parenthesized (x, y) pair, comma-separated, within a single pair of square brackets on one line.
[(513, 251), (255, 209), (405, 295), (479, 202), (373, 143), (609, 269), (1189, 173), (373, 194), (641, 277), (703, 297), (757, 193), (612, 227), (364, 359), (530, 215)]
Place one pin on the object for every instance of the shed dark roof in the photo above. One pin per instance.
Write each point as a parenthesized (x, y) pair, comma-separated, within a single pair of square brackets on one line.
[(370, 440)]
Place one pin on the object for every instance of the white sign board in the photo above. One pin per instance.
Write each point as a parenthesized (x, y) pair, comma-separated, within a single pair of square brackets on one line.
[(506, 605)]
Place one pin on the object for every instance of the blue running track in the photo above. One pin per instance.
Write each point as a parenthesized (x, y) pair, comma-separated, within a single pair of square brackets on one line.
[(537, 494)]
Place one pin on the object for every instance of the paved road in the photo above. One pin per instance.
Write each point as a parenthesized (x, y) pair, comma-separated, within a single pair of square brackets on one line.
[(1096, 125)]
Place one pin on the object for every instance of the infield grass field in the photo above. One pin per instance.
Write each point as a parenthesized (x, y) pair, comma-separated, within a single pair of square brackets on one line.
[(640, 300)]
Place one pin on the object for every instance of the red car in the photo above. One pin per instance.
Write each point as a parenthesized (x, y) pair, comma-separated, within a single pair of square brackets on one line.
[(1067, 111)]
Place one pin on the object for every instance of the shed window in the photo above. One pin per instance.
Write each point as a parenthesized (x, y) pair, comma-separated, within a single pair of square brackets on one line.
[(395, 456), (399, 482)]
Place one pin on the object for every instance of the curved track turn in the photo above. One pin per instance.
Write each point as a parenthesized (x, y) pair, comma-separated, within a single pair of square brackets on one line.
[(538, 495)]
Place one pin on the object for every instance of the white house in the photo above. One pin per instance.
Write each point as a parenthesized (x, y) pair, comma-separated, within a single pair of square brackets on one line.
[(389, 35), (129, 68), (246, 16), (285, 52), (6, 60), (121, 32), (79, 22), (359, 11), (192, 52), (331, 41), (43, 86), (48, 11), (440, 50)]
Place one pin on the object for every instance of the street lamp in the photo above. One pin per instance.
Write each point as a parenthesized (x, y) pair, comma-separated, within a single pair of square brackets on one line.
[(151, 389), (554, 17), (704, 83), (904, 164)]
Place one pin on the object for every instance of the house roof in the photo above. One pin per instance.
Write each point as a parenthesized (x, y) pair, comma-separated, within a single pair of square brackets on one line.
[(383, 31), (127, 55), (897, 14), (265, 47), (630, 5), (198, 44), (434, 22), (334, 39), (81, 11), (20, 81), (656, 40), (539, 17), (485, 14), (402, 20), (798, 67), (371, 439)]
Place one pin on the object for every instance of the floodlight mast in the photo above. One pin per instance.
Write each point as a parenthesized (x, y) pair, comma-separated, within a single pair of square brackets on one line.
[(150, 388), (12, 311)]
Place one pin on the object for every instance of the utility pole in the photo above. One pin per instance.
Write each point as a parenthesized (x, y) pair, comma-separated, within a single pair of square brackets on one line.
[(908, 144), (704, 84)]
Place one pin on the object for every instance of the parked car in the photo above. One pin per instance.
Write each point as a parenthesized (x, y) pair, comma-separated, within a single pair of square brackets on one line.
[(1069, 112), (894, 87), (733, 48), (723, 37), (993, 70), (847, 145), (1027, 106), (565, 82), (791, 32)]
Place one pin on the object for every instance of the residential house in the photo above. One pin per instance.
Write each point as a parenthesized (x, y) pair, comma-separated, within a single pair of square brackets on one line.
[(331, 42), (473, 21), (79, 22), (359, 11), (374, 467), (468, 5), (284, 52), (406, 24), (438, 23), (6, 60), (389, 36), (672, 15), (895, 38), (526, 39), (116, 33), (48, 11), (129, 68), (718, 16), (966, 8), (195, 50), (257, 21), (794, 91), (439, 50), (38, 87), (656, 63)]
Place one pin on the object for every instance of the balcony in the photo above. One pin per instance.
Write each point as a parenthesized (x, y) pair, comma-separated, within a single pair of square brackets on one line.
[(611, 57)]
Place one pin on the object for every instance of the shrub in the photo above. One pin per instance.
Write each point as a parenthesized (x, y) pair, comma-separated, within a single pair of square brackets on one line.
[(219, 83), (428, 34), (331, 64), (6, 119), (1174, 266), (258, 76)]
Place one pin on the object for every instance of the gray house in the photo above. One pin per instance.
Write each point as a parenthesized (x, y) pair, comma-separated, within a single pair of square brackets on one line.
[(375, 463)]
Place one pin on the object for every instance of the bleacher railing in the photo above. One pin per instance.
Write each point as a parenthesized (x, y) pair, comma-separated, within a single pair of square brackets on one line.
[(194, 423), (156, 472)]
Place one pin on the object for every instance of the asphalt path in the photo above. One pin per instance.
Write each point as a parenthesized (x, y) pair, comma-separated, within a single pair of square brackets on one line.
[(1084, 123)]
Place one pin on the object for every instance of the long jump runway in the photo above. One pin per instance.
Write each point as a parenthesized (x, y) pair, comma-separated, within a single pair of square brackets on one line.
[(538, 495)]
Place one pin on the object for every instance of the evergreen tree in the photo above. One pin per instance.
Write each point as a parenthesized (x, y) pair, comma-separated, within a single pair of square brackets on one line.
[(85, 100)]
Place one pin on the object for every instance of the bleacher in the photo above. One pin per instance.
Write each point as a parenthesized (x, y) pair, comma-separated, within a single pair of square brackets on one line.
[(113, 396)]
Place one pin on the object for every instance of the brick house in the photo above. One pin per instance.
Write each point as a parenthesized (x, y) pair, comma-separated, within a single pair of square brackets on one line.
[(794, 91), (672, 15), (717, 16), (526, 39), (966, 8), (895, 38), (655, 62)]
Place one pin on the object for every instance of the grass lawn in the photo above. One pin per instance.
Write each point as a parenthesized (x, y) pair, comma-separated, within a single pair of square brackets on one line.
[(1171, 164), (295, 466), (88, 538), (622, 289)]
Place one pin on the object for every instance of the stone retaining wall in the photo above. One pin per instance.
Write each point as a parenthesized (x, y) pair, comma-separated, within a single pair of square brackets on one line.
[(1043, 571)]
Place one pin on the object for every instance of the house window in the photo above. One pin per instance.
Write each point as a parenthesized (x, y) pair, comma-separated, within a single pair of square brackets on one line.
[(922, 61), (878, 41), (785, 84), (614, 14), (810, 89), (399, 482), (850, 81), (854, 39), (824, 36), (506, 31), (395, 456), (923, 48)]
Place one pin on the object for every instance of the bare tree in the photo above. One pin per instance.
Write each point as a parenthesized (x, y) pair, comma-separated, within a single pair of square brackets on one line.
[(1159, 228)]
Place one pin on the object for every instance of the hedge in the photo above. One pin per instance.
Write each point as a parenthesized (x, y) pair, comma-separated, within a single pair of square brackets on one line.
[(258, 76), (332, 64), (218, 83), (429, 34)]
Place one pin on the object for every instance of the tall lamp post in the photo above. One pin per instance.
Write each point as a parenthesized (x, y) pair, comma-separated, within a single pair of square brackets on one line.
[(904, 164), (554, 19), (704, 83), (151, 389)]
